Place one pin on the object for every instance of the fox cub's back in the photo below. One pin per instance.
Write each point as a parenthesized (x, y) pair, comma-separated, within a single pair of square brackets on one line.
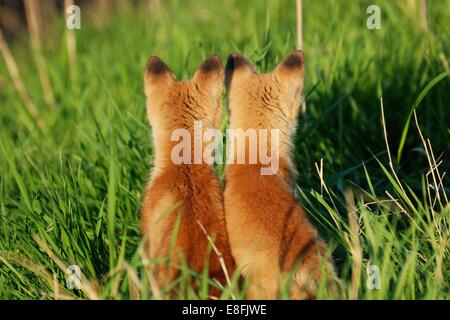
[(182, 201), (279, 240)]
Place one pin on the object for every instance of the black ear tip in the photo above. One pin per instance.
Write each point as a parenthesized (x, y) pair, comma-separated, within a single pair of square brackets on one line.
[(295, 60), (236, 61), (212, 64), (156, 66)]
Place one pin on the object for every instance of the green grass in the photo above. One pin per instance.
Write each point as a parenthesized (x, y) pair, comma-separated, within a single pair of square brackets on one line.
[(72, 188)]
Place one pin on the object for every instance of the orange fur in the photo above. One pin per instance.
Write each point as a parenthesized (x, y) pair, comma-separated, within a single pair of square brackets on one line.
[(270, 236), (188, 192)]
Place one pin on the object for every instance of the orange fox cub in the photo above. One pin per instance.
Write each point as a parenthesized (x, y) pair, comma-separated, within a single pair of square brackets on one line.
[(270, 236), (182, 201)]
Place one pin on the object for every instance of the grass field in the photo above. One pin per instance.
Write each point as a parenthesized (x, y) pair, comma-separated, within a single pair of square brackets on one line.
[(71, 178)]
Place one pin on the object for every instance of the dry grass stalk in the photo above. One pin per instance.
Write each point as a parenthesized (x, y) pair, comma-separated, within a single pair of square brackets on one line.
[(9, 258), (437, 182), (71, 45), (17, 81), (300, 36), (431, 161), (323, 186), (391, 163), (134, 283), (402, 210), (354, 244), (219, 255), (31, 11), (150, 276), (444, 61), (299, 25), (424, 15), (87, 287), (154, 4), (440, 184)]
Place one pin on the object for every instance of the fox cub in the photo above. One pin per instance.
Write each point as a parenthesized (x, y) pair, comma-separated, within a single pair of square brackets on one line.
[(185, 199), (270, 236)]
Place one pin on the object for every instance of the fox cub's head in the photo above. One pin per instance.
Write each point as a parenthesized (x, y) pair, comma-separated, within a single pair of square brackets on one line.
[(173, 104), (264, 101)]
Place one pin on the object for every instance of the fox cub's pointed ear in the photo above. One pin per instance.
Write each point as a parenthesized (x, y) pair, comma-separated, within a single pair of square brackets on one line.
[(157, 75), (238, 68), (292, 68), (210, 76)]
